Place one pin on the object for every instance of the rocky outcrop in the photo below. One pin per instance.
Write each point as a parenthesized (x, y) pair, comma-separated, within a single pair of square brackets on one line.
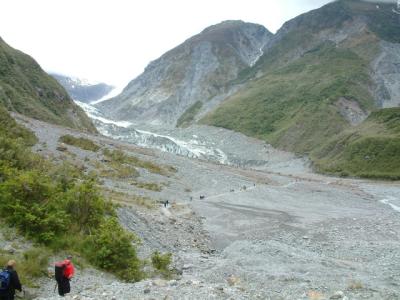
[(386, 75), (200, 69)]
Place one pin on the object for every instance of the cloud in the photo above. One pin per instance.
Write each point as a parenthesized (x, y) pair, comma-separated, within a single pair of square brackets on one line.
[(114, 40)]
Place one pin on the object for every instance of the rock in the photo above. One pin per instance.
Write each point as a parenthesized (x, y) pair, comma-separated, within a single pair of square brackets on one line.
[(62, 148), (233, 280), (146, 291), (173, 283), (187, 266), (9, 249), (306, 237), (337, 295), (159, 282)]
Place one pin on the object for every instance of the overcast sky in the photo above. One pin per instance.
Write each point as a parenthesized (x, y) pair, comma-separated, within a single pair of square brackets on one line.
[(113, 40)]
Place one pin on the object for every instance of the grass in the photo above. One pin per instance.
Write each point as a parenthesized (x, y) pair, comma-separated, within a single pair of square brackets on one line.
[(370, 150), (161, 263), (31, 264), (125, 199), (79, 142), (188, 116), (151, 186), (25, 88), (355, 285), (118, 157), (292, 107)]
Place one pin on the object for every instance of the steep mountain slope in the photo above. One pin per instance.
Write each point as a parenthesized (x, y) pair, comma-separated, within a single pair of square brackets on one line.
[(25, 88), (190, 78), (82, 90), (372, 149), (322, 73)]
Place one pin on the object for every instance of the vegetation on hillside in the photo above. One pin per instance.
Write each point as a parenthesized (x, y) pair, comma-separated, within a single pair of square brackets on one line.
[(370, 150), (293, 107), (118, 158), (290, 97), (188, 116), (32, 263), (25, 88), (80, 142), (60, 207)]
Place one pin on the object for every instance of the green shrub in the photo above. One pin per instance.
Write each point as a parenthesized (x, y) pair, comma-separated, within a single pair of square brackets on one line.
[(80, 142), (110, 247), (30, 264), (161, 262), (60, 207)]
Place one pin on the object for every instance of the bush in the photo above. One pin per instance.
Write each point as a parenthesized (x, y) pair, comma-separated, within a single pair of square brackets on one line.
[(30, 264), (110, 248), (161, 262), (60, 207)]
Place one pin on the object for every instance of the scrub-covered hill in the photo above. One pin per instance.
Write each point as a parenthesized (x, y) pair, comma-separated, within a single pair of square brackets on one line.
[(25, 88)]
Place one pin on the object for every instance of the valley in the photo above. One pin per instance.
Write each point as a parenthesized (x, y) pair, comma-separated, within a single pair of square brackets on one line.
[(256, 234), (240, 164)]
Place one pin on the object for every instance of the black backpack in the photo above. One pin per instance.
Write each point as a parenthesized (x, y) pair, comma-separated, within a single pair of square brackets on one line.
[(59, 271)]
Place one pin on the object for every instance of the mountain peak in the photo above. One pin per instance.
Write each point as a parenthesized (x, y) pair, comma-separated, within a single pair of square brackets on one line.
[(190, 76)]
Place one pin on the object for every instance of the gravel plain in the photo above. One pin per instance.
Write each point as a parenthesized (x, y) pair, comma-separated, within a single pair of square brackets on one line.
[(258, 233)]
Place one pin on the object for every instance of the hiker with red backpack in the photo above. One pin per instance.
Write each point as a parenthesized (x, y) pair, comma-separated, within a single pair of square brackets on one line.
[(64, 271), (9, 282)]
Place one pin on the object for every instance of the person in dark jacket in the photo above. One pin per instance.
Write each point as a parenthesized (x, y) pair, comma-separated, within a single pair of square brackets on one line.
[(63, 281), (15, 284)]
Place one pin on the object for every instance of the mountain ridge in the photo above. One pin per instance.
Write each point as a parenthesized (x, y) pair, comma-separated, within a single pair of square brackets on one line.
[(81, 89), (25, 88), (199, 69)]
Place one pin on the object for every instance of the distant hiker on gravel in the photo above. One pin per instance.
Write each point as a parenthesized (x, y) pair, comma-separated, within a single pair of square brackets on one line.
[(64, 271), (9, 282)]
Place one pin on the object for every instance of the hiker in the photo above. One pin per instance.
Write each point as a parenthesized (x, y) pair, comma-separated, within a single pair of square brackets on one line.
[(9, 282), (64, 271)]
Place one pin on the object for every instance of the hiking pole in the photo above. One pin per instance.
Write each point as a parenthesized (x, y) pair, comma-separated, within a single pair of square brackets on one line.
[(55, 287)]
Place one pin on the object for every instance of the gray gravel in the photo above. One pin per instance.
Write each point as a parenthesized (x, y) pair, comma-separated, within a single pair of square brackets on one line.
[(285, 236)]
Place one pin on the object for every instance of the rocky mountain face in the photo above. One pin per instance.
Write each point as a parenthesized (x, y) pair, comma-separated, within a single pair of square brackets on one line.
[(25, 88), (195, 76), (322, 73), (83, 90)]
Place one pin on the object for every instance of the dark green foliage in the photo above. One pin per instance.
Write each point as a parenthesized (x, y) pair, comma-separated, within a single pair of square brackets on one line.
[(80, 142), (85, 203), (61, 207), (110, 247), (188, 116), (25, 88)]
